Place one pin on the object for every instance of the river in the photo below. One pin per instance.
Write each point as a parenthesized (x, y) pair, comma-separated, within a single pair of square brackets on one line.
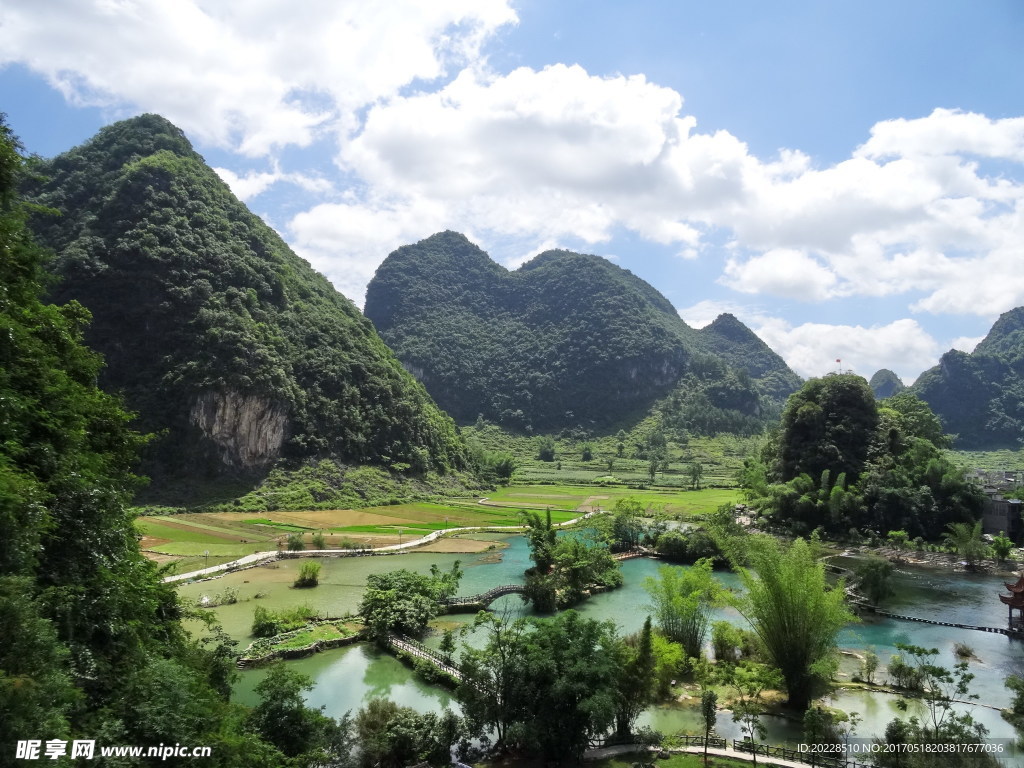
[(346, 678)]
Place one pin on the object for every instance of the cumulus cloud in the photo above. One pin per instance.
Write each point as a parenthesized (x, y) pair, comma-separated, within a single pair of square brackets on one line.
[(250, 76), (782, 272), (254, 183), (811, 349), (431, 137)]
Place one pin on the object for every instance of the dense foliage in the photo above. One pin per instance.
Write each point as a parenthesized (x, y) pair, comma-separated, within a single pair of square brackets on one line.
[(212, 329), (795, 613), (404, 602), (91, 644), (529, 670), (979, 397), (568, 339), (843, 461)]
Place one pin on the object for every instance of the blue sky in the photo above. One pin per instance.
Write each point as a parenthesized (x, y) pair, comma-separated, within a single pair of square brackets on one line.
[(846, 178)]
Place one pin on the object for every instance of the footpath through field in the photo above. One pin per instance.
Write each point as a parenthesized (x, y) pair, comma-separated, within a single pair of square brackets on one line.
[(259, 558)]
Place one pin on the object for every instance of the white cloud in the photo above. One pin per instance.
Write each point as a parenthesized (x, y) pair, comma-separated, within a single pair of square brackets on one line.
[(430, 137), (782, 272), (966, 343), (254, 75), (255, 183), (947, 132), (811, 349), (704, 313)]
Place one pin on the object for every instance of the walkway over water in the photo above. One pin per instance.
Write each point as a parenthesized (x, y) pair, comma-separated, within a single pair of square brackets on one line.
[(486, 598)]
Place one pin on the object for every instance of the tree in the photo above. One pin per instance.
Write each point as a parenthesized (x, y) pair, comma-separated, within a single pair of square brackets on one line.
[(1002, 546), (404, 602), (636, 685), (794, 612), (965, 539), (696, 475), (532, 669), (283, 719), (546, 448), (587, 452), (295, 542), (874, 580), (541, 537), (493, 692), (898, 539), (709, 716), (391, 736), (682, 603), (749, 681), (941, 687)]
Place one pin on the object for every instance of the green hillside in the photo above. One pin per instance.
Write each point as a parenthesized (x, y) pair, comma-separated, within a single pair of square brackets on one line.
[(567, 340), (980, 396), (225, 342)]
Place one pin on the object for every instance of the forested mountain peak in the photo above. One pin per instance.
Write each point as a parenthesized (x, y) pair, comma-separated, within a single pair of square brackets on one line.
[(885, 383), (211, 327), (740, 347), (1006, 338), (567, 339), (979, 396)]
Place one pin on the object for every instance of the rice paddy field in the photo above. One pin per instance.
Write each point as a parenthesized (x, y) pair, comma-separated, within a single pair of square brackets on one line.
[(194, 540)]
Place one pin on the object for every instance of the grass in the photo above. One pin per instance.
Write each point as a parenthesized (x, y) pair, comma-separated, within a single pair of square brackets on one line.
[(675, 761)]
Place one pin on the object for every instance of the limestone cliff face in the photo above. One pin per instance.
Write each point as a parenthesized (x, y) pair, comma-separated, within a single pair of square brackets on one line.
[(248, 430)]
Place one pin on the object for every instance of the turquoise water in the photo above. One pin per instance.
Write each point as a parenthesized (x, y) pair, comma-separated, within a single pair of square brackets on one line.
[(346, 678)]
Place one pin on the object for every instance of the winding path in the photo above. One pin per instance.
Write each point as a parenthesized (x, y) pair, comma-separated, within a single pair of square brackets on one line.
[(261, 558)]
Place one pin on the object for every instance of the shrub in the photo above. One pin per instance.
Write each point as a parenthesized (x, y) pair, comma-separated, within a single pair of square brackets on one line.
[(295, 542), (309, 574)]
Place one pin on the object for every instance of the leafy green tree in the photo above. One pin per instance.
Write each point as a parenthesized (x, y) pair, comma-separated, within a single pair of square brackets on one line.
[(1015, 714), (682, 603), (298, 731), (391, 736), (696, 475), (869, 665), (1002, 546), (941, 687), (874, 580), (531, 669), (546, 448), (965, 539), (404, 602), (795, 612), (319, 542), (541, 537), (749, 680), (493, 692), (898, 539), (295, 543), (828, 425), (636, 685), (709, 716)]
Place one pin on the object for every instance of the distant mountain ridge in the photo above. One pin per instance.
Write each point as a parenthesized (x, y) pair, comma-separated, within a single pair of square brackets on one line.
[(980, 396), (567, 339), (226, 343)]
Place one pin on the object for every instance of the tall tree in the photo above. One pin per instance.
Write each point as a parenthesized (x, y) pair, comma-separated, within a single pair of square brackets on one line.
[(794, 611), (682, 602)]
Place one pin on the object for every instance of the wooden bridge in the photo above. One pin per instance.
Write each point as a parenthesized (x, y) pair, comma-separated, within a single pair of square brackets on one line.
[(485, 598), (418, 650)]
